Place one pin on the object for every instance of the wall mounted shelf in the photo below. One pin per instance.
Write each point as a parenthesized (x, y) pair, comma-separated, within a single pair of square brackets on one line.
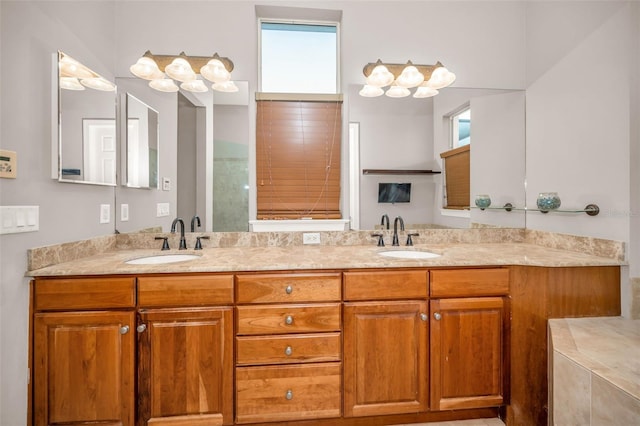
[(399, 172), (590, 209)]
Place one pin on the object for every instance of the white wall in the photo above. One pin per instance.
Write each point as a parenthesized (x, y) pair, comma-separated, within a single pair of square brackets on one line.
[(30, 33), (578, 132)]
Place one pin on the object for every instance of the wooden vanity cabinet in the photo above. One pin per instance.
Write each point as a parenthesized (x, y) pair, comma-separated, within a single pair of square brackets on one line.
[(84, 351), (288, 352), (385, 343), (185, 350), (468, 338)]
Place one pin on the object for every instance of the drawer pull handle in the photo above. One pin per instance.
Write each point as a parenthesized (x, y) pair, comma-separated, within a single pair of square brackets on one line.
[(288, 320), (437, 316), (424, 317), (124, 329), (289, 395), (141, 328), (289, 289), (288, 351)]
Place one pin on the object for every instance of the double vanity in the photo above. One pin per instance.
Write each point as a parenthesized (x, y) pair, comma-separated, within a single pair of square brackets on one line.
[(298, 334)]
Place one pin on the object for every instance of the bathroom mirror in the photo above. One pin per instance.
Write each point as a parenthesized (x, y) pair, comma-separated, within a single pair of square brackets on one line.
[(141, 148), (410, 134), (84, 141)]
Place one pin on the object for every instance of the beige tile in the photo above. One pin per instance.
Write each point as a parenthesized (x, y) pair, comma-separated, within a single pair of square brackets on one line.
[(612, 406), (571, 390)]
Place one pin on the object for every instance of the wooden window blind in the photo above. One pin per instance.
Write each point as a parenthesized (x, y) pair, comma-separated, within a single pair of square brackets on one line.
[(456, 174), (298, 159)]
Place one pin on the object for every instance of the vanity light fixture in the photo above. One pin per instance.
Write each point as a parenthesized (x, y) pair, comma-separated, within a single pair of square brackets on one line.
[(189, 71), (402, 77), (75, 76)]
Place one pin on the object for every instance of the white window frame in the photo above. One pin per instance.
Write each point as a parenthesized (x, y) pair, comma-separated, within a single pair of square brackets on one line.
[(299, 22)]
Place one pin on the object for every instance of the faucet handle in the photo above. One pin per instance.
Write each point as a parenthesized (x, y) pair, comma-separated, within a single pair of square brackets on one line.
[(165, 243), (380, 239), (409, 240), (199, 243)]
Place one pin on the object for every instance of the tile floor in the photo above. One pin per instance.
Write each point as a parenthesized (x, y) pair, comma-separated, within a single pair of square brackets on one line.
[(476, 422)]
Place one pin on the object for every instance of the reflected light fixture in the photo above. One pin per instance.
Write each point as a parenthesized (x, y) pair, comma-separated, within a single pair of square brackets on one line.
[(399, 78), (186, 70), (75, 76)]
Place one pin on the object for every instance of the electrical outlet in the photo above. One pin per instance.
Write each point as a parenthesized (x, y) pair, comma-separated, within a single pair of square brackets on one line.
[(162, 210), (124, 212), (311, 238), (105, 213)]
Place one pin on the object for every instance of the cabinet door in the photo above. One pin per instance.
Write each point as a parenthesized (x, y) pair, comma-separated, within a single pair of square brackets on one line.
[(84, 368), (185, 366), (385, 358), (467, 361)]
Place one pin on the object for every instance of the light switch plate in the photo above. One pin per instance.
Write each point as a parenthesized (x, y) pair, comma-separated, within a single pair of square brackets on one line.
[(124, 212), (166, 184), (15, 219), (105, 213)]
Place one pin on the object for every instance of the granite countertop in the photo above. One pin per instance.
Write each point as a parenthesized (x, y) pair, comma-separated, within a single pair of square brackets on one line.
[(324, 257)]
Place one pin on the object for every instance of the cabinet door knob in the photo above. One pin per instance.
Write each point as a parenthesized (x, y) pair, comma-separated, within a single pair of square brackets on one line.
[(141, 328), (124, 329), (289, 289), (437, 316), (424, 317), (288, 320), (289, 394), (288, 351)]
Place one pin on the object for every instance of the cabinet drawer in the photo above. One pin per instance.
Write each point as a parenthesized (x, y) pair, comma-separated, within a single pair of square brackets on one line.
[(385, 285), (279, 319), (279, 288), (469, 282), (84, 293), (294, 348), (185, 290), (298, 392)]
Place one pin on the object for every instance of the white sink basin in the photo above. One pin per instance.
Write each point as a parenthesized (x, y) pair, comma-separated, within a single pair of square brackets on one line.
[(408, 254), (161, 259)]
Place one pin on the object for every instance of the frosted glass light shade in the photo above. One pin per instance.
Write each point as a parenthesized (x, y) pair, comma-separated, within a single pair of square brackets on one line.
[(380, 77), (215, 71), (147, 69), (397, 92), (425, 92), (410, 77), (194, 86), (225, 86), (70, 83), (163, 85), (69, 67), (98, 83), (441, 77), (369, 91), (180, 69)]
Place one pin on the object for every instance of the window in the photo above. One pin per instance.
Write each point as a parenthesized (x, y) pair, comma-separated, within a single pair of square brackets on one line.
[(457, 161), (298, 57), (461, 127), (299, 120), (298, 159)]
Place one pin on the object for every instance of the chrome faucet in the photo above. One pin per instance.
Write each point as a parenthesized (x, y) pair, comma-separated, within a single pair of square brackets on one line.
[(195, 221), (183, 241), (395, 230), (385, 218)]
